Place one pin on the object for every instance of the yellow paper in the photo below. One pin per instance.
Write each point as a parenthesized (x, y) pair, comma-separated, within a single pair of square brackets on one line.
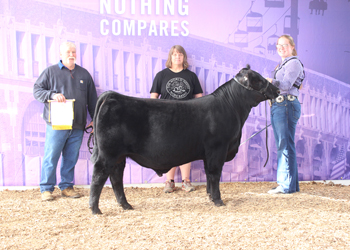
[(62, 114)]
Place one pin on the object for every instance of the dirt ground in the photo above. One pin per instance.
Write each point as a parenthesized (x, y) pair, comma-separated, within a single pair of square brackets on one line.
[(318, 217)]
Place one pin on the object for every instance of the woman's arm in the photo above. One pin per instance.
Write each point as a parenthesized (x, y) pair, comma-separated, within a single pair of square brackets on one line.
[(154, 95)]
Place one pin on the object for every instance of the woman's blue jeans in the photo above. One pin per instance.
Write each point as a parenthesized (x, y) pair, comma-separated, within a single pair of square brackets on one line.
[(68, 143), (284, 118)]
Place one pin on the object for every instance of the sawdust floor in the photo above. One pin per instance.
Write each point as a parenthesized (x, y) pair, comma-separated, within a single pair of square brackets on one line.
[(318, 217)]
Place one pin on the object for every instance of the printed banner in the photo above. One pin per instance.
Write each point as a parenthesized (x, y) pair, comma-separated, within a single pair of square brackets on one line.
[(124, 44)]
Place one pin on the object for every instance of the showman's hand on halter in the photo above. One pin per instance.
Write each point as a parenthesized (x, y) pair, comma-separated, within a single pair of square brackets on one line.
[(91, 124), (269, 79), (59, 97)]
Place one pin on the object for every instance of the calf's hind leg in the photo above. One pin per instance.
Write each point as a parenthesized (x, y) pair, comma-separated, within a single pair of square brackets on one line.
[(99, 178), (116, 178)]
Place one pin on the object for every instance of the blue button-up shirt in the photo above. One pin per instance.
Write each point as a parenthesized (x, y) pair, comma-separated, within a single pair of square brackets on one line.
[(60, 64), (290, 71)]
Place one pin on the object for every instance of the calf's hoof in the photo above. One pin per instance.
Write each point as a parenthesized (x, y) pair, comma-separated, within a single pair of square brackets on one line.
[(219, 203), (96, 211), (127, 206)]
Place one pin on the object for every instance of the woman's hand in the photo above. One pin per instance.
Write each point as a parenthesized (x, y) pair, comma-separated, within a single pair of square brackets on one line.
[(269, 79)]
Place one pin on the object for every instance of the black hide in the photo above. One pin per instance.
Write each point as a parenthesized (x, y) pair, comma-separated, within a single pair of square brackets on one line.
[(161, 134)]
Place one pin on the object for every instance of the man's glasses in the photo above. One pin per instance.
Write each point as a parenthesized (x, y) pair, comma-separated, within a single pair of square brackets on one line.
[(279, 46)]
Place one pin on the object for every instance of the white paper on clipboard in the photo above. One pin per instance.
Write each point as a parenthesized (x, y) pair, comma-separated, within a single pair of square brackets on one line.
[(61, 114)]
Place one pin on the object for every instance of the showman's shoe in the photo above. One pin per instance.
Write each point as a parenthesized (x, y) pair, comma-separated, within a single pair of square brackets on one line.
[(277, 190), (70, 193), (187, 186), (46, 196), (169, 187)]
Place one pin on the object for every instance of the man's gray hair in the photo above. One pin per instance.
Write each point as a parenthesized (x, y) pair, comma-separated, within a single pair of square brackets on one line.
[(67, 45)]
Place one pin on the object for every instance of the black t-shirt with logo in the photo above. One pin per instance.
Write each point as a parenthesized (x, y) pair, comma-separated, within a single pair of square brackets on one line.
[(176, 86)]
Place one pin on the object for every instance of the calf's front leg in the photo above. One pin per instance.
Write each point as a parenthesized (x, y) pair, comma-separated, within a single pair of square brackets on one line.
[(213, 169)]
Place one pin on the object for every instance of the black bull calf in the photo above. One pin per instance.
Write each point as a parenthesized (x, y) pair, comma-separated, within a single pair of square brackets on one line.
[(161, 134)]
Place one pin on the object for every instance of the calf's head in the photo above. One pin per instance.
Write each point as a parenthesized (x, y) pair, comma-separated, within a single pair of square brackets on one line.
[(252, 80)]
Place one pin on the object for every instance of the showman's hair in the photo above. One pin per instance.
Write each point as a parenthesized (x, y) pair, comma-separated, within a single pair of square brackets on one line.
[(179, 49), (292, 43), (67, 45)]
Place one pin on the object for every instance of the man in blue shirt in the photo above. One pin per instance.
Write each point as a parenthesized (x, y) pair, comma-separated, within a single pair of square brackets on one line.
[(59, 82)]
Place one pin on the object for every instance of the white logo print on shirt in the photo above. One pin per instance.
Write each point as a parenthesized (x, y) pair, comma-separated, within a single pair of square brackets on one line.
[(178, 88)]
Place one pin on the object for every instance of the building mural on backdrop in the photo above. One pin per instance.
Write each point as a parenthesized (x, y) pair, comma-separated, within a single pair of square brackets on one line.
[(124, 54)]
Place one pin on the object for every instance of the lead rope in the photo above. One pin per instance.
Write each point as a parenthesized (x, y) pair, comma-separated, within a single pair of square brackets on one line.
[(90, 139), (267, 146), (88, 143)]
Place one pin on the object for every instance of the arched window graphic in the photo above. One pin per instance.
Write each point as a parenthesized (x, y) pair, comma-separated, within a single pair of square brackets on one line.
[(342, 119), (83, 55), (329, 114), (333, 120), (207, 81), (127, 73), (333, 155), (317, 161), (220, 78), (306, 108), (323, 116), (34, 128), (138, 73), (115, 66), (313, 112), (337, 122), (35, 54), (154, 67), (96, 62), (346, 122), (318, 113), (228, 77), (20, 52), (50, 52), (255, 159)]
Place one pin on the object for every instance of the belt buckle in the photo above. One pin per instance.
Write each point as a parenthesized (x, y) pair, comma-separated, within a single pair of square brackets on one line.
[(291, 98), (280, 98)]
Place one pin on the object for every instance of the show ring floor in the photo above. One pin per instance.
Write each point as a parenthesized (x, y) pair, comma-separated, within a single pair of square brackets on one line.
[(317, 217)]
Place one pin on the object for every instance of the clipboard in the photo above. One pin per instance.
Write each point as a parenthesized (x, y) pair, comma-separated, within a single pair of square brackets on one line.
[(61, 114)]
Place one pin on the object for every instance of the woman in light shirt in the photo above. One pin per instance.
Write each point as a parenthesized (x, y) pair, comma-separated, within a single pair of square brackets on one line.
[(285, 113)]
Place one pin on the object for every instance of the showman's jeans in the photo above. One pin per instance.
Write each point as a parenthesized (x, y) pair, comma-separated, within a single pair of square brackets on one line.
[(284, 117), (68, 142)]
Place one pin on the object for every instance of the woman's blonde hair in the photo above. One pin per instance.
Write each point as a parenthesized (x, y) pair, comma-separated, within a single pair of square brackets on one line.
[(291, 41), (179, 49)]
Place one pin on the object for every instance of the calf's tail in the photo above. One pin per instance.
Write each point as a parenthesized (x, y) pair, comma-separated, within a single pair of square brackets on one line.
[(101, 99)]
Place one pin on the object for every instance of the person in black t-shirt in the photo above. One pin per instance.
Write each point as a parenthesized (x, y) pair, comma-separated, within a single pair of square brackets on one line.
[(176, 82)]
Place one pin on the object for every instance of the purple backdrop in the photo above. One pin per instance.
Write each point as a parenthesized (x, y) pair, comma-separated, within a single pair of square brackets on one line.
[(125, 43)]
